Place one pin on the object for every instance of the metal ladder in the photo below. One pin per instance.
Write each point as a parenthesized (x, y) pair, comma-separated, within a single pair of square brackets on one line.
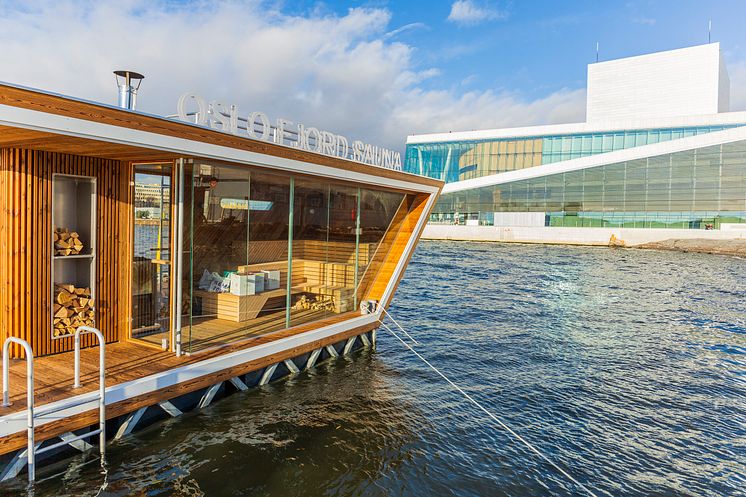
[(31, 415)]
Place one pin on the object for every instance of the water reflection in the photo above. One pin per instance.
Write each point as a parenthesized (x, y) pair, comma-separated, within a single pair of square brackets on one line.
[(626, 367)]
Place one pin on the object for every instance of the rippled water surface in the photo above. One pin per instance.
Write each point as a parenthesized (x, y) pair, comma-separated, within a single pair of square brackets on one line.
[(627, 368)]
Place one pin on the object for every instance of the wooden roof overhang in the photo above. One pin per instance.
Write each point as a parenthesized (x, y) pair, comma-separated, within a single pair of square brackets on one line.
[(43, 121)]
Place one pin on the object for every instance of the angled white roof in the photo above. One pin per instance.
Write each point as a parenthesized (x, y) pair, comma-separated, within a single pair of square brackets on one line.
[(641, 152), (725, 118)]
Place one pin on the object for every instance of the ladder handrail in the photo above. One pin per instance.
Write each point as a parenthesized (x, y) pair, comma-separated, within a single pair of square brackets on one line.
[(101, 378), (30, 419), (29, 395)]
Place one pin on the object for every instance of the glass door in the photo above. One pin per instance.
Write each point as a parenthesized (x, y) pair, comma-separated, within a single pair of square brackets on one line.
[(151, 267)]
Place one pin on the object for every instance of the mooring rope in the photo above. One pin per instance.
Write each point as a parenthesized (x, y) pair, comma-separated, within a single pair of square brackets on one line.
[(397, 325), (487, 412), (105, 483)]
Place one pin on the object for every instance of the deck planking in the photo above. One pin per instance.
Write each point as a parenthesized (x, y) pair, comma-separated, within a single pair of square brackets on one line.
[(125, 361), (210, 332)]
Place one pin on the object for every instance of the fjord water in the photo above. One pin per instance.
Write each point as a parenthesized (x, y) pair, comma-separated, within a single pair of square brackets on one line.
[(627, 368)]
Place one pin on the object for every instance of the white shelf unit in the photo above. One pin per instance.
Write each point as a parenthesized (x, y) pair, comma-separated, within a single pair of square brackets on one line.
[(74, 208)]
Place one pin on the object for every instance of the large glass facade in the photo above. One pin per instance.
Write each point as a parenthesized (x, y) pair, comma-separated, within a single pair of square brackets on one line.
[(457, 161), (264, 252), (699, 188)]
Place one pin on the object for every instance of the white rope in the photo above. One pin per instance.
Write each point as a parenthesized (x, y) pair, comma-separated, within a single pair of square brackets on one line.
[(494, 418), (387, 328), (397, 325), (105, 483)]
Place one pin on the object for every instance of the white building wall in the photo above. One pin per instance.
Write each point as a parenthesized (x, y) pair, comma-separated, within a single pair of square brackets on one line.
[(665, 84), (519, 218), (724, 90), (573, 236)]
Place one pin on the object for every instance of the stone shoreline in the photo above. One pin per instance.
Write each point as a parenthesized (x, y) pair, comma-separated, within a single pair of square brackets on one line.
[(736, 247)]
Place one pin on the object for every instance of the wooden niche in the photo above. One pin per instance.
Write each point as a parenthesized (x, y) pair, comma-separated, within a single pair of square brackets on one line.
[(51, 203), (74, 249)]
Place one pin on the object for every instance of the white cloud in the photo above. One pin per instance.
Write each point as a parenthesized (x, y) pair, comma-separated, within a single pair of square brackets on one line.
[(442, 111), (341, 73), (467, 12)]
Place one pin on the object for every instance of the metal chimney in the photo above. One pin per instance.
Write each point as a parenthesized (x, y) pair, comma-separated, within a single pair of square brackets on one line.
[(127, 91)]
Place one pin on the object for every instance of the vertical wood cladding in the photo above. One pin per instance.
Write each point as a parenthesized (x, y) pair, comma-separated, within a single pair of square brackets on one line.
[(26, 245)]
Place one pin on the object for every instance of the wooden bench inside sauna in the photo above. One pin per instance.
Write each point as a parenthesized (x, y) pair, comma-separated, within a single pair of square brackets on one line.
[(323, 278)]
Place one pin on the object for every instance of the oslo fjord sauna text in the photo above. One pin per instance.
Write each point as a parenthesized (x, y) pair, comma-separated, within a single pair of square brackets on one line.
[(205, 261)]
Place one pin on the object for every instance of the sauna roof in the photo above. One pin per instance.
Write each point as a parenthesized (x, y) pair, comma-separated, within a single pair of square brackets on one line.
[(35, 119)]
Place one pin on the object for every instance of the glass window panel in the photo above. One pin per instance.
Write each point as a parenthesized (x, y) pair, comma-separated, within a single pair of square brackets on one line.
[(151, 268), (313, 273), (554, 144), (518, 161), (381, 215), (511, 147), (608, 143), (597, 144), (238, 226), (502, 162)]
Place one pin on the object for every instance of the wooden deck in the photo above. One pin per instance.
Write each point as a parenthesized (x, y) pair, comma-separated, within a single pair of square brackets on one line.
[(125, 361), (208, 332)]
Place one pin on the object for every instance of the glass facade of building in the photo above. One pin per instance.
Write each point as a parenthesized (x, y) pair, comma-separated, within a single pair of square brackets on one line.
[(696, 188), (462, 160)]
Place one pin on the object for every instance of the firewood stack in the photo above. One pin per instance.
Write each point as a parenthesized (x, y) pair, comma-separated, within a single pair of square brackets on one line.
[(320, 303), (73, 307), (66, 242)]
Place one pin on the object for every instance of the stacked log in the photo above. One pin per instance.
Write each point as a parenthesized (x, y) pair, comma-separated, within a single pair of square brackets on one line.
[(320, 303), (73, 307), (66, 242)]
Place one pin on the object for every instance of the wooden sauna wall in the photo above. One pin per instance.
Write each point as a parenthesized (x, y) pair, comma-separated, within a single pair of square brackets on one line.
[(394, 243), (26, 246)]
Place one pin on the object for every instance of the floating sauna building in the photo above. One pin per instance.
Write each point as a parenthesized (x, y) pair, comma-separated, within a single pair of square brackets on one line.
[(207, 260)]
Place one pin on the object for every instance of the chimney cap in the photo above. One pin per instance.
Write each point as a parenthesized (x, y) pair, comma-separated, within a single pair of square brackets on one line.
[(131, 74)]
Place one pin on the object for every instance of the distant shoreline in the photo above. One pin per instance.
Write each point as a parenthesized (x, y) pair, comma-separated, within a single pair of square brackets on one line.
[(736, 247)]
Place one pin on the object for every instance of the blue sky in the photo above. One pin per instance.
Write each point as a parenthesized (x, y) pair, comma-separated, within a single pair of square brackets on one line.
[(537, 47), (372, 70)]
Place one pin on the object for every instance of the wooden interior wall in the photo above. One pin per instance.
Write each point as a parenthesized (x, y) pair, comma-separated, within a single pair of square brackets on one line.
[(26, 245), (407, 230), (370, 273)]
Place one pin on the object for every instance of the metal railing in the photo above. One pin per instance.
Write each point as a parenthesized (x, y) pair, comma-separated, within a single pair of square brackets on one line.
[(29, 395), (101, 378), (31, 414)]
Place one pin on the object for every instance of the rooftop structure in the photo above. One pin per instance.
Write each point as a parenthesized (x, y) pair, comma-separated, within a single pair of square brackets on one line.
[(689, 81)]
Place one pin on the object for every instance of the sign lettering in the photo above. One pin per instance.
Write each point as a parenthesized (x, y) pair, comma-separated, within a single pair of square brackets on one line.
[(258, 126)]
